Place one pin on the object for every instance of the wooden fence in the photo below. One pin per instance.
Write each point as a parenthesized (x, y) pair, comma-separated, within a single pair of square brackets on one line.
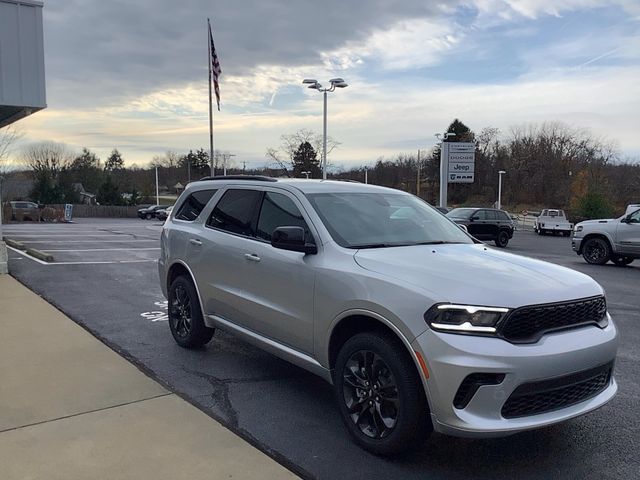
[(104, 211)]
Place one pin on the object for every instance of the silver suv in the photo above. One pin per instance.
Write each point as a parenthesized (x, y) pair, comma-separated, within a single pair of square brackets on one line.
[(418, 326)]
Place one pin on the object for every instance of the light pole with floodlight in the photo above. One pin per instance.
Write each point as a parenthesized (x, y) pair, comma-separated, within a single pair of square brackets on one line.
[(500, 173), (313, 84)]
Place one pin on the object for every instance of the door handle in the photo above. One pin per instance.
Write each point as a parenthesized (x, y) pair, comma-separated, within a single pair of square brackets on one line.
[(195, 241), (252, 257)]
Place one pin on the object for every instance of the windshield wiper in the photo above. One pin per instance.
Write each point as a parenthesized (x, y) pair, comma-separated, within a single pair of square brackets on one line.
[(374, 245)]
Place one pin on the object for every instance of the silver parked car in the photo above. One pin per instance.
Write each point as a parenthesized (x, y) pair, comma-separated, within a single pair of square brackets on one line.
[(417, 325)]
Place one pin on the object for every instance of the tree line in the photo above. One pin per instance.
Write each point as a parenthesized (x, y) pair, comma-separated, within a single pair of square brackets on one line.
[(551, 165)]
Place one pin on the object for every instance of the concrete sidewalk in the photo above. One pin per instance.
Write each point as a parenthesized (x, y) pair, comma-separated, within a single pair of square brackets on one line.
[(71, 408)]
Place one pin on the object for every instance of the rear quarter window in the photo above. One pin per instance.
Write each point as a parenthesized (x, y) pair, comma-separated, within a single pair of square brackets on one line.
[(194, 204)]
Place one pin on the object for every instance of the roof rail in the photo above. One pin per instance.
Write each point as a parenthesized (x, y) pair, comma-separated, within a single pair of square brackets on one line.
[(259, 178)]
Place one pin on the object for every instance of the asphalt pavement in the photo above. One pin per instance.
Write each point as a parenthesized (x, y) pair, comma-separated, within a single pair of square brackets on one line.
[(105, 278)]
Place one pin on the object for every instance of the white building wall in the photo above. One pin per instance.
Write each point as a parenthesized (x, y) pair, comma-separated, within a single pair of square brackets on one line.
[(22, 82)]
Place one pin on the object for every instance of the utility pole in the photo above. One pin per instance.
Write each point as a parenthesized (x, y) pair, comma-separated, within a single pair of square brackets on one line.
[(244, 166), (157, 191), (366, 176), (418, 180)]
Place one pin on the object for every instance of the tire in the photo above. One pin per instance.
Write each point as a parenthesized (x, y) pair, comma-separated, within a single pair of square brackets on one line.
[(148, 216), (541, 232), (566, 234), (621, 261), (185, 315), (367, 361), (502, 240), (596, 251)]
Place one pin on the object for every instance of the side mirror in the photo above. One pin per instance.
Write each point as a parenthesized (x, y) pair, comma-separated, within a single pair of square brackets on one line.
[(292, 238), (474, 218)]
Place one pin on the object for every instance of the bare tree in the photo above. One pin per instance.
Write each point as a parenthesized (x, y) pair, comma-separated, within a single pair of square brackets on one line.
[(284, 155), (48, 158), (8, 136), (168, 160)]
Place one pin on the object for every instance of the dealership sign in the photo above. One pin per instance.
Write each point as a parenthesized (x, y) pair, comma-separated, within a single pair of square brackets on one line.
[(461, 161)]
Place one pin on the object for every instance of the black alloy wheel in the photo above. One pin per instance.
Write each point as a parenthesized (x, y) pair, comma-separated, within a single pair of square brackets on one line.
[(148, 216), (502, 239), (185, 315), (621, 261), (380, 394), (370, 393), (596, 251)]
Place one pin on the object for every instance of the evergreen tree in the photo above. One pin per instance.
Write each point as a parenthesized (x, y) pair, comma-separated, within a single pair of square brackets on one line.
[(109, 192), (306, 160), (114, 162)]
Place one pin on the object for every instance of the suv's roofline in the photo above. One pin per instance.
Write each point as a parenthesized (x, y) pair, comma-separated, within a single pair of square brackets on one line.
[(303, 185)]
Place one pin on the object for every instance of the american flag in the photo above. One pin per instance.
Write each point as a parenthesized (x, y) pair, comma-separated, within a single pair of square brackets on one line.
[(214, 68)]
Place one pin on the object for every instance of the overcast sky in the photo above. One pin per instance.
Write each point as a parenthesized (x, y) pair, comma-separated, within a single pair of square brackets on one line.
[(133, 74)]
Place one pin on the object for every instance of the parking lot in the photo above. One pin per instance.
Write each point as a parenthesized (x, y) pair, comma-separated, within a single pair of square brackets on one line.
[(104, 277)]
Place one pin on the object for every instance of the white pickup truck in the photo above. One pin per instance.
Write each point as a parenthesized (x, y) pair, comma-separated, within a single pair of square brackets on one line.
[(616, 239), (552, 220)]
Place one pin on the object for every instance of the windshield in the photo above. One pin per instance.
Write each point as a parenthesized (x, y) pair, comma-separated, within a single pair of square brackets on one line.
[(377, 220), (461, 212)]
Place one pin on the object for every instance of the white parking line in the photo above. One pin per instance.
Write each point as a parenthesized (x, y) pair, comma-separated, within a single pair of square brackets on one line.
[(26, 255), (129, 240), (74, 235), (104, 249)]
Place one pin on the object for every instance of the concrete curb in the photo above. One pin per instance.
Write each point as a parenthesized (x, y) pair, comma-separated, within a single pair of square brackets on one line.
[(15, 244), (45, 257)]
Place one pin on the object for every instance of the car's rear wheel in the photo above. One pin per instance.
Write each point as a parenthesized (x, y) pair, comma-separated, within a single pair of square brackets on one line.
[(502, 239), (380, 394), (596, 251), (621, 261), (185, 315)]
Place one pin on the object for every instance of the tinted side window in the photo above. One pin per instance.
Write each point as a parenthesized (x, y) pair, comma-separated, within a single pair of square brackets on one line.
[(278, 210), (194, 204), (504, 217), (490, 215), (235, 212), (480, 215)]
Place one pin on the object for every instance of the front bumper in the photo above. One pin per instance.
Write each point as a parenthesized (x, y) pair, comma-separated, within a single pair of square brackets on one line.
[(451, 358), (576, 244)]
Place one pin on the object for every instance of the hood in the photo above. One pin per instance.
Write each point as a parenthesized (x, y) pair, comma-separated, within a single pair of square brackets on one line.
[(592, 222), (478, 274)]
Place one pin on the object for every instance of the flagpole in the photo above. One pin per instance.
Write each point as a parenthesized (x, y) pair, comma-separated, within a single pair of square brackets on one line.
[(213, 172)]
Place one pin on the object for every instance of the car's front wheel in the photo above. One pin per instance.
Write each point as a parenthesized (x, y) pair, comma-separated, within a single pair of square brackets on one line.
[(185, 315), (596, 251), (380, 394), (621, 261), (502, 239), (148, 216)]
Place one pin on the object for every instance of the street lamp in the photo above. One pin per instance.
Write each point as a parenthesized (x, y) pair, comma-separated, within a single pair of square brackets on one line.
[(313, 84), (500, 173)]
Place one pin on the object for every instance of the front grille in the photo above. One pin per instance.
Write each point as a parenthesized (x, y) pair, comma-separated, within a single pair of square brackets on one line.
[(528, 324), (549, 395)]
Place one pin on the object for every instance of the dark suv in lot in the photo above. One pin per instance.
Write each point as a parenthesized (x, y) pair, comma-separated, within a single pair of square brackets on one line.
[(485, 223), (150, 212)]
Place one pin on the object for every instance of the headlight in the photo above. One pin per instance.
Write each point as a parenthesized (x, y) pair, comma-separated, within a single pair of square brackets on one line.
[(578, 228), (464, 318)]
